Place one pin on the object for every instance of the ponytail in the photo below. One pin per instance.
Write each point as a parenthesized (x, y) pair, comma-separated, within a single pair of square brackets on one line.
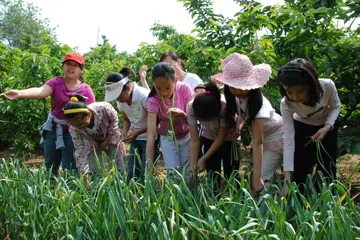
[(207, 105), (231, 108), (254, 104)]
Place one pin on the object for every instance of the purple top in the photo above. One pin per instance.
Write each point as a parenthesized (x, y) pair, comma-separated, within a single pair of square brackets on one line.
[(60, 95)]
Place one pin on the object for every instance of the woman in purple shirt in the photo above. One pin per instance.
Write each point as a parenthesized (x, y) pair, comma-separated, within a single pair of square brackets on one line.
[(58, 144)]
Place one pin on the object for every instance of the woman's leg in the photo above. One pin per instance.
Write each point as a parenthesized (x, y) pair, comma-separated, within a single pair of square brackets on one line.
[(229, 163), (170, 154), (67, 153), (52, 156), (305, 152), (213, 164), (184, 146), (327, 161), (133, 166), (95, 161), (271, 162)]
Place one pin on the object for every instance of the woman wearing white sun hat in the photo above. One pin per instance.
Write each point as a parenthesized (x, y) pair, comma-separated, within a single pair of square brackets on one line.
[(243, 95)]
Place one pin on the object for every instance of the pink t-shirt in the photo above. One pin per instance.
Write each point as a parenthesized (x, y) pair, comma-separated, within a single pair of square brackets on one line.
[(60, 95), (183, 94), (210, 129)]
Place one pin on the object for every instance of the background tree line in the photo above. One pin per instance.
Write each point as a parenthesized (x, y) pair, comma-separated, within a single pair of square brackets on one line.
[(322, 30)]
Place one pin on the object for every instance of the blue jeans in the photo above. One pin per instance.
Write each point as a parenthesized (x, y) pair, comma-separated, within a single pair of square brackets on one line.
[(137, 158), (54, 157)]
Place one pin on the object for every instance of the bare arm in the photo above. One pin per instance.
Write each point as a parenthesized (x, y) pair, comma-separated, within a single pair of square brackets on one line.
[(144, 84), (194, 147), (151, 137), (30, 93), (126, 124), (257, 135), (142, 73), (216, 144)]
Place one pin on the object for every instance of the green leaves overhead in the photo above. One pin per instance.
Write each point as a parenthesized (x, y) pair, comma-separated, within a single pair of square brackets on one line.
[(326, 32)]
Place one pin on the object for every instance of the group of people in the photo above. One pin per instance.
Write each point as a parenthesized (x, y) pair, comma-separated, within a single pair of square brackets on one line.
[(192, 123)]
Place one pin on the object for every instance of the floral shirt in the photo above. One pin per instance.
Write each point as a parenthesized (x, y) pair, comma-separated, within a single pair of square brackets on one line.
[(87, 139)]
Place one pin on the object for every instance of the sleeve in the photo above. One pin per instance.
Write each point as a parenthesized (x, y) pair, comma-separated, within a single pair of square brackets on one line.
[(90, 95), (197, 81), (190, 114), (334, 104), (82, 150), (186, 92), (152, 105), (143, 102), (119, 106), (265, 109), (52, 83), (289, 136)]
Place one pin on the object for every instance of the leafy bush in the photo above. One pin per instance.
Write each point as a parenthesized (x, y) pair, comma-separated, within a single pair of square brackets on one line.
[(322, 31)]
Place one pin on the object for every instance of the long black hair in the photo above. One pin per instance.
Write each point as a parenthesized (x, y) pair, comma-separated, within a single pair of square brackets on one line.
[(77, 102), (207, 105), (116, 77), (300, 72), (161, 69), (254, 104)]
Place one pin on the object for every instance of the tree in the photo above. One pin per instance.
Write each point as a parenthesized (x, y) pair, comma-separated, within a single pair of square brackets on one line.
[(20, 26)]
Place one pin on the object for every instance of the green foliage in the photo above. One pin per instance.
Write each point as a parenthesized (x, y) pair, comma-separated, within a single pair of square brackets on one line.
[(21, 120), (322, 31), (116, 208), (20, 25)]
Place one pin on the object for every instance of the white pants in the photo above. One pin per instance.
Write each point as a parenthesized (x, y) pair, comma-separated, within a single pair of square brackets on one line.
[(176, 158), (271, 162)]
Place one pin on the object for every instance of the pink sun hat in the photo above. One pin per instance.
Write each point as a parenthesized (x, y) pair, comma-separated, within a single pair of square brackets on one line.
[(239, 72)]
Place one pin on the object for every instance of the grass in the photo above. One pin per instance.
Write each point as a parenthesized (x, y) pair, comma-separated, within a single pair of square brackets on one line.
[(113, 207)]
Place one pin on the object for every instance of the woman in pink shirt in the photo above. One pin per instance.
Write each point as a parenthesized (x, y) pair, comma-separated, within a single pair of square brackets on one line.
[(310, 108), (58, 145), (167, 115), (94, 128), (209, 109), (242, 82)]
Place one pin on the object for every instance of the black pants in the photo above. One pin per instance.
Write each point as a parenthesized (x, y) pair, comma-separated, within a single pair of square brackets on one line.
[(306, 157), (213, 164)]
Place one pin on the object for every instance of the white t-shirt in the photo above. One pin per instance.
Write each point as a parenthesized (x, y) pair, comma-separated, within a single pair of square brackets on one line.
[(273, 121), (273, 124), (193, 80), (325, 111), (137, 111)]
